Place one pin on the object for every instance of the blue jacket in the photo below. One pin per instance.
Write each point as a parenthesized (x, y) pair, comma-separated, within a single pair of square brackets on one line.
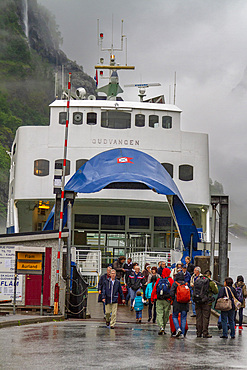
[(102, 280), (111, 295), (149, 290), (138, 303), (187, 278)]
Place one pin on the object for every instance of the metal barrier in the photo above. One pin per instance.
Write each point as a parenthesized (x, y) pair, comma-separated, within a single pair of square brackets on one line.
[(151, 257), (89, 264)]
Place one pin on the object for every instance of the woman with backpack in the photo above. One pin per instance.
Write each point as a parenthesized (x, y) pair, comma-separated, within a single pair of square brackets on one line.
[(241, 290), (180, 293)]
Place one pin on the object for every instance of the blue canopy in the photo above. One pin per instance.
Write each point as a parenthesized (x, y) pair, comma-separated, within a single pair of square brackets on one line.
[(133, 166)]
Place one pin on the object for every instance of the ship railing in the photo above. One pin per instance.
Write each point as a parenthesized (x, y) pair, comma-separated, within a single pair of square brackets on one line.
[(89, 264), (153, 258)]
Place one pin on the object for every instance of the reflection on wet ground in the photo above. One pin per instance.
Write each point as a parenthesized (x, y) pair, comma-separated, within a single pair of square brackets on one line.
[(87, 344)]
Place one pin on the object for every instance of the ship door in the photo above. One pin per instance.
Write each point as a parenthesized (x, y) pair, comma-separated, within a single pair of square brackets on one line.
[(33, 284)]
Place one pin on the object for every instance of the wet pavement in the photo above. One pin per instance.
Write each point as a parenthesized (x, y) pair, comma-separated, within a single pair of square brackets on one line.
[(88, 344)]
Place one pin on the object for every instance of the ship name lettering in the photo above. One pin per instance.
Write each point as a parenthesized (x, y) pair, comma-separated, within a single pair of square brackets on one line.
[(131, 142)]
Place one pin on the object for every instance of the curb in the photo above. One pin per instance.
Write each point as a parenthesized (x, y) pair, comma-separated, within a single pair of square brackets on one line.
[(28, 321)]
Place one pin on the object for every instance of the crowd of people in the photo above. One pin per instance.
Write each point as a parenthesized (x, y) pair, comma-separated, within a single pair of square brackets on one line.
[(160, 288)]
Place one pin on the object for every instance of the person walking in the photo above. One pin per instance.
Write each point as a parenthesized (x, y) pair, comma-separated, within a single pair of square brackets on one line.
[(189, 264), (228, 291), (161, 293), (102, 280), (127, 266), (240, 288), (180, 303), (194, 276), (118, 266), (135, 282), (146, 273), (138, 306), (154, 272), (110, 291), (148, 293), (203, 303)]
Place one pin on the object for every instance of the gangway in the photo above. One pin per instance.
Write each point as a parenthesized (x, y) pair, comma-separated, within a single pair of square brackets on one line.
[(89, 264), (151, 257)]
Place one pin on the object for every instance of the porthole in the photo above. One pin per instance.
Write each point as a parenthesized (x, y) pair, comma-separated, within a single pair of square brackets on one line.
[(62, 118), (41, 167), (186, 172), (77, 118)]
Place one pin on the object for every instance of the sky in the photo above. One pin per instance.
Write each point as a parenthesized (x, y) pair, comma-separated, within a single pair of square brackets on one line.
[(203, 41)]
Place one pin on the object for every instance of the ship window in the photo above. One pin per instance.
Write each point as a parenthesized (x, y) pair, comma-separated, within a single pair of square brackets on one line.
[(62, 118), (77, 118), (112, 222), (162, 223), (139, 120), (185, 172), (67, 168), (138, 223), (169, 168), (91, 118), (153, 120), (167, 122), (86, 221), (115, 119), (80, 162), (41, 167)]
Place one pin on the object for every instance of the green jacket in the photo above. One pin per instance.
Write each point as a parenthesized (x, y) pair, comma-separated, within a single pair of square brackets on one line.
[(213, 289)]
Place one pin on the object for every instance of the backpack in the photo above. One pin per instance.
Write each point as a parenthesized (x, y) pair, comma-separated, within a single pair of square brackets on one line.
[(163, 289), (200, 290), (239, 293), (183, 293)]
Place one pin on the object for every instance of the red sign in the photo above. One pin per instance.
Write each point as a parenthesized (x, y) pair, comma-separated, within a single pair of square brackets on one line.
[(124, 160)]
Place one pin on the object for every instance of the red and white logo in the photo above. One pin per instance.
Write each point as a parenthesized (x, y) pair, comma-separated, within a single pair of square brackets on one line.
[(124, 160)]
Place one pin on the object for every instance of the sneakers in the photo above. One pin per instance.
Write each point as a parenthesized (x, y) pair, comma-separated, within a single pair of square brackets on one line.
[(178, 332), (108, 323), (140, 321), (161, 332), (207, 336), (240, 328)]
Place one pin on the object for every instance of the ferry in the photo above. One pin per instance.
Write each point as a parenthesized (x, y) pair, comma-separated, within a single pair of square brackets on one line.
[(114, 221)]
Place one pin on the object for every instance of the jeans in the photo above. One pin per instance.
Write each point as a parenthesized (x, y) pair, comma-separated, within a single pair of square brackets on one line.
[(193, 303), (240, 316), (132, 295), (231, 316), (138, 314), (151, 307), (183, 320)]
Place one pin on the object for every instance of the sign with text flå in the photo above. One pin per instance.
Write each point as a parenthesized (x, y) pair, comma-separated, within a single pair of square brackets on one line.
[(29, 263)]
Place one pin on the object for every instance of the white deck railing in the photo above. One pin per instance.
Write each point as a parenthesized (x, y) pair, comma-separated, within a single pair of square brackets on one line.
[(150, 257), (89, 263)]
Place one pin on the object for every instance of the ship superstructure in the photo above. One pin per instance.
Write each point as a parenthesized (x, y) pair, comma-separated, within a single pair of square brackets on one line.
[(114, 220)]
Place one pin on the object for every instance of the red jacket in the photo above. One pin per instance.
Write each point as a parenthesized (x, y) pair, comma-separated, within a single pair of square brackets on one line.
[(165, 273)]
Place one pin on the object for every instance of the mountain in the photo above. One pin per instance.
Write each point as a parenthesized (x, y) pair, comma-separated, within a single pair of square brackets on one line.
[(30, 58)]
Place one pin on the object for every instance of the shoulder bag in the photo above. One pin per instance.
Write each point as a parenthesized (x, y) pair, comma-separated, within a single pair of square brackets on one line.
[(237, 304), (224, 304)]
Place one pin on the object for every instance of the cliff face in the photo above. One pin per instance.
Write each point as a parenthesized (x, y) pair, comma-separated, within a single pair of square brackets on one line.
[(30, 55)]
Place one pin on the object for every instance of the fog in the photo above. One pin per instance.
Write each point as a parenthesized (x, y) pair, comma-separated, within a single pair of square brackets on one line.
[(204, 41)]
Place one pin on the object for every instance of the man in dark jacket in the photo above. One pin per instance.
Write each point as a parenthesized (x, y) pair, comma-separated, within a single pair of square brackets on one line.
[(110, 291), (135, 282), (179, 307), (102, 280), (128, 268), (118, 266)]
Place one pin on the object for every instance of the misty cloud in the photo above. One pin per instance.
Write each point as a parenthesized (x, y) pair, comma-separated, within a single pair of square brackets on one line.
[(203, 41)]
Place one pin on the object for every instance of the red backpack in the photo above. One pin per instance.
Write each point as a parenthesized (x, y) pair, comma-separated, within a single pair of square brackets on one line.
[(183, 293)]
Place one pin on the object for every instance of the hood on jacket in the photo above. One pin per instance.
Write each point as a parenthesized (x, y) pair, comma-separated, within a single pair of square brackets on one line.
[(166, 272), (179, 276)]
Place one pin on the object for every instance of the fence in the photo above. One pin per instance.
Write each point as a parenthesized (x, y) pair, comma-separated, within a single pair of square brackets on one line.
[(151, 257), (89, 264)]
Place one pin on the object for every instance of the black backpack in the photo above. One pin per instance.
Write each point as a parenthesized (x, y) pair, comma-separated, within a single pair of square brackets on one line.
[(200, 290), (163, 289)]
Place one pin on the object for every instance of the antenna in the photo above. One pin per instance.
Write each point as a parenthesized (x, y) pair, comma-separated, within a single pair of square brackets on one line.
[(175, 85), (142, 88)]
